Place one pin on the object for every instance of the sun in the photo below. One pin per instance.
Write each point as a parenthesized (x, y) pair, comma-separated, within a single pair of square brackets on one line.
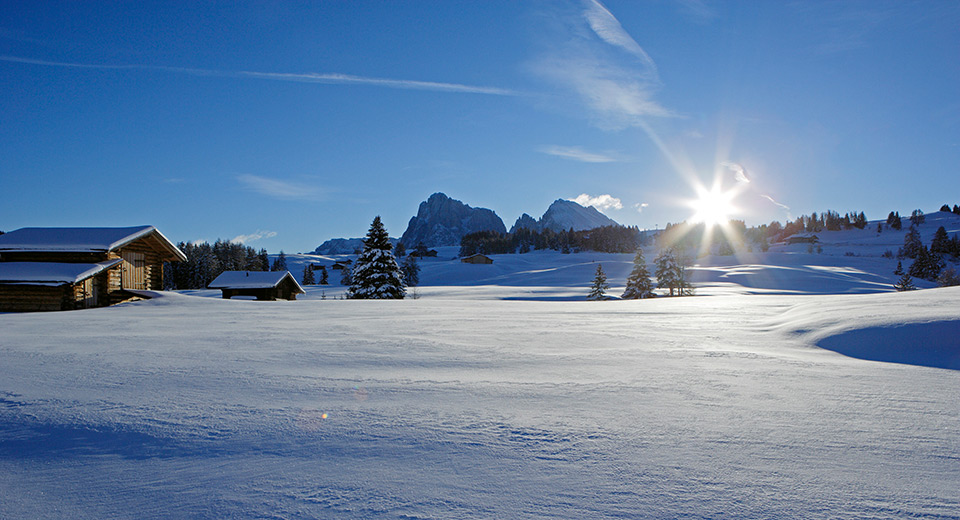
[(713, 207)]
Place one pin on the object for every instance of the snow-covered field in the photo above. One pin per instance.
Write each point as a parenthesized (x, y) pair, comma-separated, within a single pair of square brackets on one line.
[(759, 399)]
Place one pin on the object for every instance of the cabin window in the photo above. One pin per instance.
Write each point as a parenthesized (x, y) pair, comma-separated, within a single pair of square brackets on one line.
[(134, 271)]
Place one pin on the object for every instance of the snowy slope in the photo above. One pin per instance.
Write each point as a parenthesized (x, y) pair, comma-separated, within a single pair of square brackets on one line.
[(718, 407)]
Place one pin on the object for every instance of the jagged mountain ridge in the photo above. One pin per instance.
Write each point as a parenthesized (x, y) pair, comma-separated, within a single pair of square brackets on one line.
[(563, 215), (442, 221)]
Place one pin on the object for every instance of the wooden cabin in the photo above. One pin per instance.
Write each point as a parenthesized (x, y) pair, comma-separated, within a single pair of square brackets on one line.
[(477, 259), (263, 285), (802, 239), (52, 269), (342, 264)]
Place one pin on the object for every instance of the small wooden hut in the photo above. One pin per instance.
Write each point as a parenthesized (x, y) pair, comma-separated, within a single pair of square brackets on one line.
[(477, 259), (52, 269), (263, 285)]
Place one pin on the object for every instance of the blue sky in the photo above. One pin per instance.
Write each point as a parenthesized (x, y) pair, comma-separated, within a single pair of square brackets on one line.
[(285, 124)]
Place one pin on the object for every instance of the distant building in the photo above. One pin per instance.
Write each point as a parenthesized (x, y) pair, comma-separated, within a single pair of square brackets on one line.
[(802, 239), (431, 253), (477, 259), (342, 264), (53, 269), (264, 285)]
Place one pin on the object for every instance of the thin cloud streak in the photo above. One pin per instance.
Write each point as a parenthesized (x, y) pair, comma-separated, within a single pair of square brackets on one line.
[(577, 154), (640, 206), (278, 189), (608, 28), (330, 78)]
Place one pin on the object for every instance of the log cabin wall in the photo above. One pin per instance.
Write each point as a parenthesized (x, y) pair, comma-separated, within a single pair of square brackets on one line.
[(31, 298)]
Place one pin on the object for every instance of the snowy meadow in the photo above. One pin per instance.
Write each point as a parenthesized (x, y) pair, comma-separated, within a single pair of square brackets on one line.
[(766, 396)]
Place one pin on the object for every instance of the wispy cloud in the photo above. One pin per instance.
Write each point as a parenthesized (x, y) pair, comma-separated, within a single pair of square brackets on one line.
[(739, 172), (242, 239), (608, 28), (577, 154), (782, 206), (605, 67), (696, 9), (326, 78), (277, 188), (640, 206), (601, 202)]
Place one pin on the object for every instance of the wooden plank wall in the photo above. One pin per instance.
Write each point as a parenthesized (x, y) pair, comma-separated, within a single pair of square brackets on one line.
[(29, 298)]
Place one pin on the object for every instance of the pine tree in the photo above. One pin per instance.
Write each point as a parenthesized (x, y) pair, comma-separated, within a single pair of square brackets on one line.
[(671, 273), (945, 207), (280, 264), (411, 271), (639, 284), (899, 270), (308, 278), (600, 285), (905, 283), (917, 217), (927, 266), (911, 243), (401, 250), (941, 242), (324, 277), (376, 274), (264, 260)]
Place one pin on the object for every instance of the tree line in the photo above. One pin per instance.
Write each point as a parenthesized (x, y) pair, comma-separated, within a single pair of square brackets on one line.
[(606, 239), (206, 262)]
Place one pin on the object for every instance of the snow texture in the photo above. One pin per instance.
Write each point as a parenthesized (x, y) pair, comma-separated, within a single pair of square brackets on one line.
[(798, 386), (50, 273)]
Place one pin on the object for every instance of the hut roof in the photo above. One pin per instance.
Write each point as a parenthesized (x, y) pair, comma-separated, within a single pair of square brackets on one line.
[(86, 240), (49, 273), (252, 280)]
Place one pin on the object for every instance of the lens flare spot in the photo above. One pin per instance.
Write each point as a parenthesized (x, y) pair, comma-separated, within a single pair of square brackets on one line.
[(713, 207)]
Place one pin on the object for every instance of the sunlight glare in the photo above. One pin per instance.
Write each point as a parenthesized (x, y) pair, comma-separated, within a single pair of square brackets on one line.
[(713, 207)]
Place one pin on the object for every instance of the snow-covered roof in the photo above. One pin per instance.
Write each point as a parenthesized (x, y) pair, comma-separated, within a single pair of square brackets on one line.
[(81, 240), (49, 273), (252, 280)]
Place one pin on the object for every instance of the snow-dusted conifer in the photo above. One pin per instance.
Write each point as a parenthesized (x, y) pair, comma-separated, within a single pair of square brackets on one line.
[(600, 285), (376, 274), (308, 278), (639, 284), (671, 273)]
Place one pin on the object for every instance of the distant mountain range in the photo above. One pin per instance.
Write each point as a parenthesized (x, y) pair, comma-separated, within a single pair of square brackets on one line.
[(343, 246), (442, 221), (563, 215)]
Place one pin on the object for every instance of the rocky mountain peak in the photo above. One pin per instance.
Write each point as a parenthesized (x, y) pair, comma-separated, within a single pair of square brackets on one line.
[(442, 221)]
